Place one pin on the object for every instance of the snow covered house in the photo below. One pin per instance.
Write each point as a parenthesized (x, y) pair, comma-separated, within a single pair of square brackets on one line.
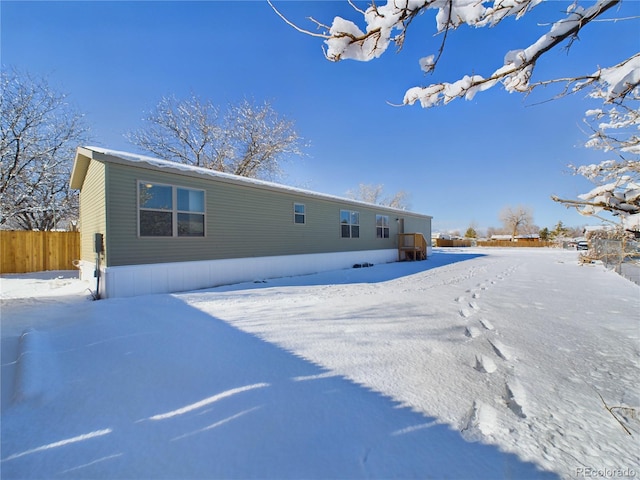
[(153, 226)]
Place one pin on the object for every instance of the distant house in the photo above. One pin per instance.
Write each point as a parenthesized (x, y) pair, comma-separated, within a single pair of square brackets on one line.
[(597, 228), (531, 237), (507, 238), (153, 226), (440, 236)]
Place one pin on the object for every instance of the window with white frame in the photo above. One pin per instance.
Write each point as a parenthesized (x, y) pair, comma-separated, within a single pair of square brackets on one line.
[(299, 213), (382, 226), (170, 211), (349, 224)]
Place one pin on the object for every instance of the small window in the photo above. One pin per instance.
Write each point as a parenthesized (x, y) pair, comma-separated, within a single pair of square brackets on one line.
[(299, 213), (349, 224), (168, 211), (382, 226)]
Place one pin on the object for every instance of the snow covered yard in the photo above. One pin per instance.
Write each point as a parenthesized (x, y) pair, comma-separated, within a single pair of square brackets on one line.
[(478, 363)]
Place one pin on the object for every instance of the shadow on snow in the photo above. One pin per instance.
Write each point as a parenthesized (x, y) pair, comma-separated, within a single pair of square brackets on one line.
[(153, 388), (377, 273)]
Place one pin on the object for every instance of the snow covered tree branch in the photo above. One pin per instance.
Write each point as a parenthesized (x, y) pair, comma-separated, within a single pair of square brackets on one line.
[(617, 181), (39, 132), (249, 139), (388, 24), (378, 27), (617, 191)]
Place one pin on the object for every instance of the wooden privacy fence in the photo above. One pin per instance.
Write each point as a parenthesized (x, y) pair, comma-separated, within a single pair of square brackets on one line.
[(517, 243), (27, 251), (441, 242), (444, 242)]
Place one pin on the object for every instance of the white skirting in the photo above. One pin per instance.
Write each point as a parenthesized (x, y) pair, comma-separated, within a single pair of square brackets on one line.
[(133, 280)]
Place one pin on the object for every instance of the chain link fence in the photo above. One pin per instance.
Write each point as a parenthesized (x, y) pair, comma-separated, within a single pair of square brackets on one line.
[(622, 256)]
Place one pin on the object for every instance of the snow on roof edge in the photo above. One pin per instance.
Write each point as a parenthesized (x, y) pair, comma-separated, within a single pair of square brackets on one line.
[(159, 163)]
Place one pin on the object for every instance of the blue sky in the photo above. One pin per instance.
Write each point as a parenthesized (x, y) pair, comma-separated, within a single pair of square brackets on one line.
[(461, 163)]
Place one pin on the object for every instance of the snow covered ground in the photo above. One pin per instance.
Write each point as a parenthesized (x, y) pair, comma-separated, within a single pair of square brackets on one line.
[(478, 363)]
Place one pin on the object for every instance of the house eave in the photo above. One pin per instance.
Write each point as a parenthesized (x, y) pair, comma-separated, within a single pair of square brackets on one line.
[(80, 167), (105, 155)]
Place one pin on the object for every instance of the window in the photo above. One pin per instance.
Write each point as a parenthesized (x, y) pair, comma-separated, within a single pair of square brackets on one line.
[(190, 212), (382, 226), (156, 205), (349, 224), (168, 211), (299, 215)]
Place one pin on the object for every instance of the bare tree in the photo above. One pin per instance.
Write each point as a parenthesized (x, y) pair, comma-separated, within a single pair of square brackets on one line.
[(375, 194), (184, 131), (259, 138), (249, 139), (378, 27), (516, 218), (39, 132)]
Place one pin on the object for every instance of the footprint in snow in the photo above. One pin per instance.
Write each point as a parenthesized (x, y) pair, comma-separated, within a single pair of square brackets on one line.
[(501, 350), (485, 364), (486, 324), (465, 313), (476, 295), (474, 305), (471, 332), (460, 299), (515, 397), (481, 422)]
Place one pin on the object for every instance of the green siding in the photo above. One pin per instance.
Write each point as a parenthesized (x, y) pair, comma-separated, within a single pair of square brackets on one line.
[(241, 221), (92, 209), (413, 224)]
